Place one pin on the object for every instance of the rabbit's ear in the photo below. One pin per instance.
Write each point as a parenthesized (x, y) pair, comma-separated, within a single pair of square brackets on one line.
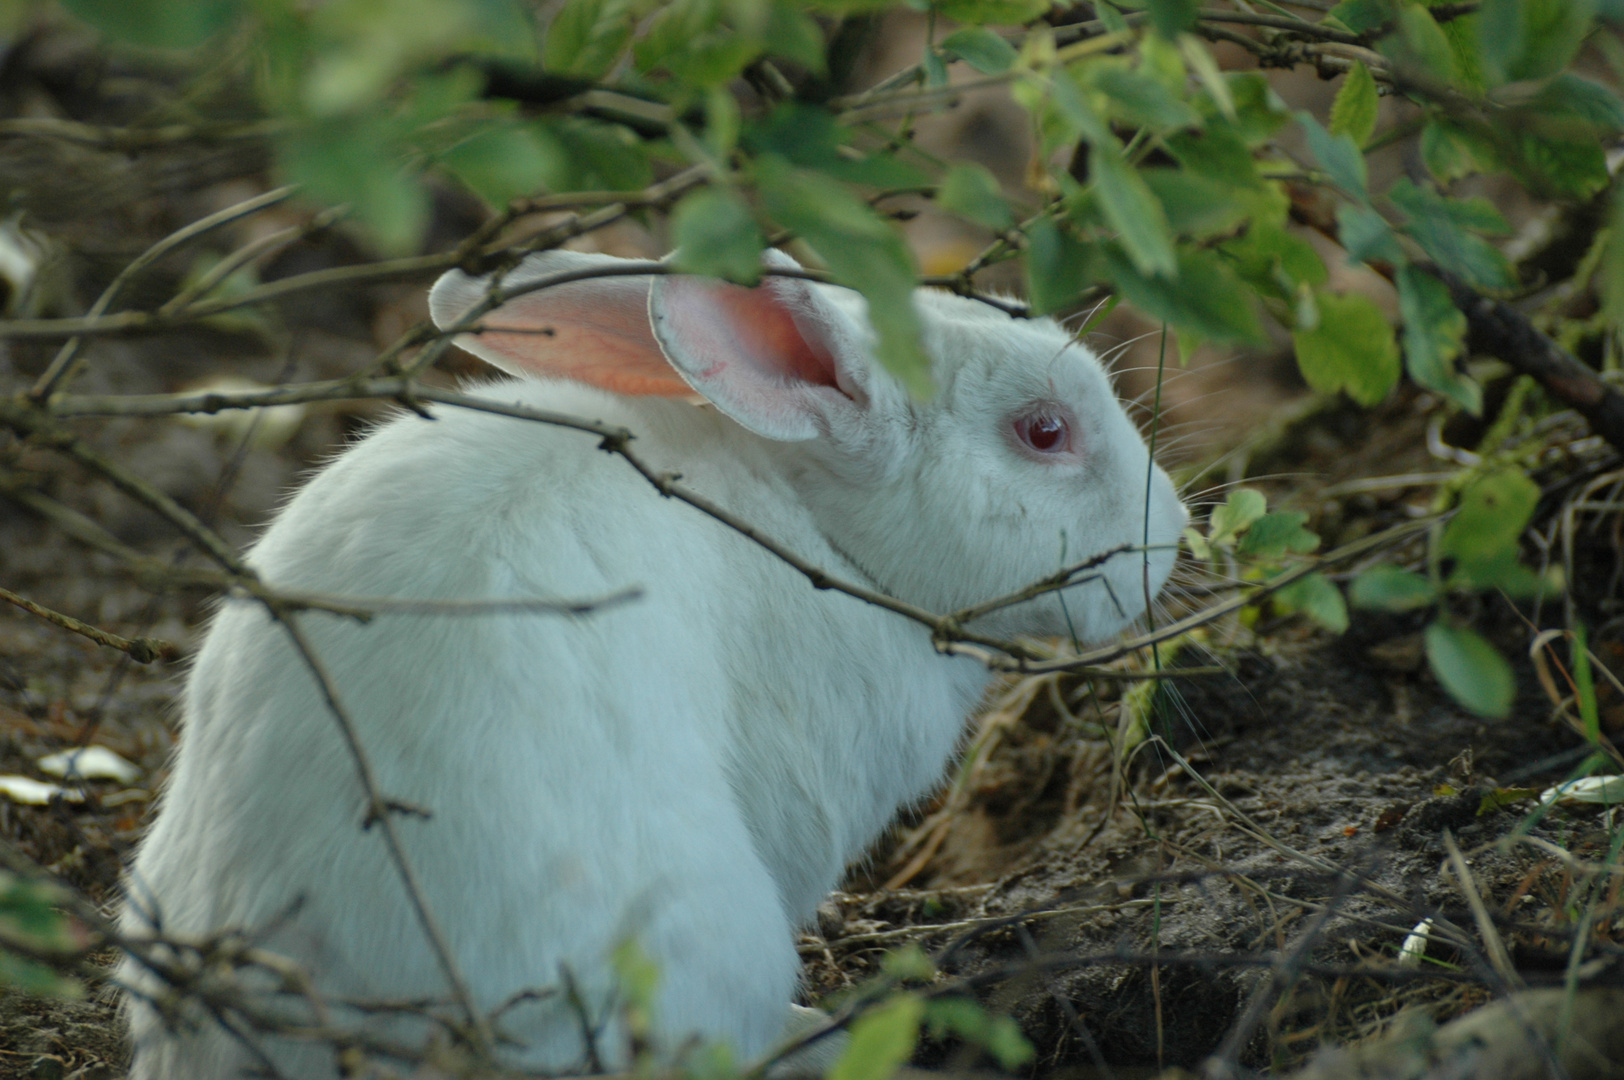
[(594, 331), (780, 358)]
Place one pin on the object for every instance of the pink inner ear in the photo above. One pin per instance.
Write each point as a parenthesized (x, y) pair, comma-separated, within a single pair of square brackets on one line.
[(766, 329), (592, 332)]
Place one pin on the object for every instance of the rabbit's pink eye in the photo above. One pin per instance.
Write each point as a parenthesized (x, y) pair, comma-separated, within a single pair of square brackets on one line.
[(1044, 432)]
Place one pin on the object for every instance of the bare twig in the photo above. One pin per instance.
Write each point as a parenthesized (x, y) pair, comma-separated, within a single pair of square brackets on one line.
[(63, 366), (133, 138), (1499, 958), (380, 813), (1497, 329), (1225, 1062), (143, 650)]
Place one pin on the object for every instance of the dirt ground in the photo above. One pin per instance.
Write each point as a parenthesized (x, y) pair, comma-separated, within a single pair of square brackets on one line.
[(1126, 913)]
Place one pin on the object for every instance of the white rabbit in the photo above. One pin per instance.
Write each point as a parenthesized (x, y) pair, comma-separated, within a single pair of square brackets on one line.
[(691, 771)]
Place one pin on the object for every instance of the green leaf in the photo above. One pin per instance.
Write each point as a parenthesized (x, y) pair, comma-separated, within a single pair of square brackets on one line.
[(500, 164), (716, 235), (1461, 33), (971, 191), (30, 915), (1058, 267), (1170, 18), (1476, 214), (1243, 507), (1272, 535), (1612, 261), (1219, 151), (1259, 111), (354, 161), (602, 156), (1133, 211), (999, 1036), (1353, 113), (1366, 235), (1471, 670), (981, 49), (1504, 798), (1205, 297), (1434, 335), (636, 974), (1072, 110), (159, 24), (996, 12), (882, 1040), (1420, 45), (863, 251), (1338, 156), (1531, 39), (1450, 153), (1110, 16), (1275, 261), (703, 44), (1386, 587), (1140, 101), (586, 37), (908, 963), (1351, 349), (1559, 167), (1363, 16), (1491, 517), (1584, 684), (1591, 102), (1195, 205), (1441, 226), (1318, 598), (794, 35), (1503, 572), (808, 136)]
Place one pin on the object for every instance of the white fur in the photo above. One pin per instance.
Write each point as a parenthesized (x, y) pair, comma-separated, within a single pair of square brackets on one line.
[(693, 770)]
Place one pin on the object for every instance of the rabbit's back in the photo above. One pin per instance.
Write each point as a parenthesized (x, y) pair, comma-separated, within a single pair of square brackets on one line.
[(678, 770)]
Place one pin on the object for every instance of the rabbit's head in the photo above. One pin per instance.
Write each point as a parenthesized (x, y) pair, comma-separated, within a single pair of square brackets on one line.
[(1021, 463)]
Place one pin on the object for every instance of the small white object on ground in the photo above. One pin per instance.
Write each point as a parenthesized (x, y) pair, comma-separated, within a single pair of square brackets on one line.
[(89, 763), (1597, 790), (30, 792), (1415, 944)]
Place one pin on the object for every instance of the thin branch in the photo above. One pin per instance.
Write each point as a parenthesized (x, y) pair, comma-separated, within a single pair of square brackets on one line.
[(950, 636), (143, 650), (367, 608), (1492, 943), (1497, 329), (248, 253), (63, 367), (134, 138), (38, 425), (1225, 1062), (380, 813)]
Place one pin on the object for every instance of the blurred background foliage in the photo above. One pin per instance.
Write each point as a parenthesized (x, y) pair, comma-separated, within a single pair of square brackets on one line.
[(1164, 169)]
